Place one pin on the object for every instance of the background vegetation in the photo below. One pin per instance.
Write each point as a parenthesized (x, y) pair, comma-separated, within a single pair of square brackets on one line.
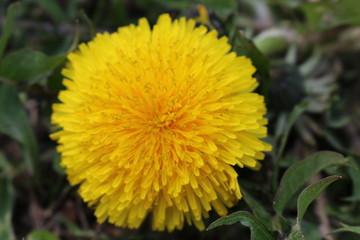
[(307, 56)]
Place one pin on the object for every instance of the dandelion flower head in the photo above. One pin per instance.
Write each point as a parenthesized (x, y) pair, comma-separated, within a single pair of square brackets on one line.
[(153, 120)]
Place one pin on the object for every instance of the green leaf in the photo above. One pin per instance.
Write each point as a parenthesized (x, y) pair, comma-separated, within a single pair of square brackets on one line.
[(88, 22), (177, 4), (7, 28), (119, 15), (42, 235), (306, 197), (310, 193), (334, 141), (279, 223), (346, 12), (310, 229), (339, 121), (4, 164), (323, 15), (57, 166), (14, 122), (76, 231), (295, 114), (258, 230), (6, 205), (258, 209), (53, 8), (245, 47), (299, 173), (76, 40), (220, 5), (314, 12), (354, 173), (296, 233), (345, 213), (27, 65), (311, 63), (347, 228), (271, 45)]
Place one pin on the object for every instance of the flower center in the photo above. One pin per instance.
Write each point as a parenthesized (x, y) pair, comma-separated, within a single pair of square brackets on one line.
[(166, 120)]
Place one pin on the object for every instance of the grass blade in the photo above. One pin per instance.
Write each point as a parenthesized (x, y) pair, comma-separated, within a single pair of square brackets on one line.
[(8, 27), (6, 202)]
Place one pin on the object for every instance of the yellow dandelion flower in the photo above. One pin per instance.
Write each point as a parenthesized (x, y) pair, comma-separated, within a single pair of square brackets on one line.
[(153, 120)]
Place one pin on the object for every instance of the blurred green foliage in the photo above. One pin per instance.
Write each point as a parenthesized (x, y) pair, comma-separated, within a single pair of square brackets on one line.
[(306, 55)]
